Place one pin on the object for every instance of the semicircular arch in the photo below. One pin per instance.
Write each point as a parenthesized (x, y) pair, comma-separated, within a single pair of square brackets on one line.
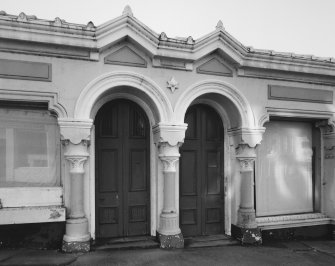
[(106, 84), (215, 87)]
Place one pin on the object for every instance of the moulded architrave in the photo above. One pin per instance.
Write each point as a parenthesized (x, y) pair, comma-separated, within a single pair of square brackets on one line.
[(295, 113), (36, 96), (14, 69), (125, 56)]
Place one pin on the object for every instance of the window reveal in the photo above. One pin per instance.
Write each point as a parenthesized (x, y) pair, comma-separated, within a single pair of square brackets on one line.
[(284, 177), (29, 148)]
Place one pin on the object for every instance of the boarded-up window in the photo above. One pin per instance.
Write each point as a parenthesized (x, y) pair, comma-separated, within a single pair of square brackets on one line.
[(29, 148), (284, 182)]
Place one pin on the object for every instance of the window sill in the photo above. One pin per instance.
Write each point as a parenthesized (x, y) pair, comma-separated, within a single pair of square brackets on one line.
[(15, 197), (32, 215), (296, 220)]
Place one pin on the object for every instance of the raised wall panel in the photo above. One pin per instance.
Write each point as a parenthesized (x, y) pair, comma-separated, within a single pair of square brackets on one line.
[(286, 93), (14, 69)]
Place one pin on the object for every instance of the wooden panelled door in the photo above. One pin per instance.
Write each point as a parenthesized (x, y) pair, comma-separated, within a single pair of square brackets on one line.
[(201, 173), (122, 170)]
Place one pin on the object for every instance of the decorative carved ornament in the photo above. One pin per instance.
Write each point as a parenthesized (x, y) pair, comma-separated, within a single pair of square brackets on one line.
[(77, 164), (169, 163), (219, 25), (247, 164), (127, 11), (172, 84), (246, 156)]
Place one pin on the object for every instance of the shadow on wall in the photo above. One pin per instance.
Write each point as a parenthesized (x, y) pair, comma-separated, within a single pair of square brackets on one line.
[(38, 236)]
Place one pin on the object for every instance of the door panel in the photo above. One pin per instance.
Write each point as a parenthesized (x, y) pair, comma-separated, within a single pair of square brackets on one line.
[(122, 175), (201, 171)]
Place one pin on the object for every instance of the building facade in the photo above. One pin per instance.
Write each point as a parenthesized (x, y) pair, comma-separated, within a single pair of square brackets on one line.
[(119, 131)]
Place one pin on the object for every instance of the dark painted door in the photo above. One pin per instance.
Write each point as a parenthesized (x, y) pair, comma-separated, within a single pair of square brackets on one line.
[(122, 170), (201, 173)]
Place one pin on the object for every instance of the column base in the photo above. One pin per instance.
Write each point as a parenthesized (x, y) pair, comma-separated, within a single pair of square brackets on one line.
[(76, 238), (246, 218), (171, 241), (247, 236), (76, 246)]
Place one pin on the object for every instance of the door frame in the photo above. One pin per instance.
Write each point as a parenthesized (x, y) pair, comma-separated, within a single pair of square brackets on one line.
[(156, 177), (124, 194), (229, 152)]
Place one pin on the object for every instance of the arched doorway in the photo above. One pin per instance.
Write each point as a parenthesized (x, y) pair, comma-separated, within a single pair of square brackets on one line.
[(202, 173), (122, 170)]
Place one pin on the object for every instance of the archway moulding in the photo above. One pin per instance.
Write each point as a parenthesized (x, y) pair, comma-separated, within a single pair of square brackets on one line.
[(219, 87), (109, 81)]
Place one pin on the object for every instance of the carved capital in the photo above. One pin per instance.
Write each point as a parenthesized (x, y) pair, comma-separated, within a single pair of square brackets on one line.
[(327, 126), (77, 164), (246, 156), (169, 163), (247, 164)]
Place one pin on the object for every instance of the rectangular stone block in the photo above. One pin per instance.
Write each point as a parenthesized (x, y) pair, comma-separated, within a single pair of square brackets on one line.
[(14, 69), (285, 93)]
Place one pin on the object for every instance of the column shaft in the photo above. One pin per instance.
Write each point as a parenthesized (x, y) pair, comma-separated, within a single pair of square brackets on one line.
[(76, 238)]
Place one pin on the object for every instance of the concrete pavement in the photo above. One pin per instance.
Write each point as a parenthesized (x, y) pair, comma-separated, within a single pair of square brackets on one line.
[(279, 253)]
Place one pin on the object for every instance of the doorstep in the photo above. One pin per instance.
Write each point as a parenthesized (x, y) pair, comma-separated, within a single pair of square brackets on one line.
[(210, 241), (126, 243)]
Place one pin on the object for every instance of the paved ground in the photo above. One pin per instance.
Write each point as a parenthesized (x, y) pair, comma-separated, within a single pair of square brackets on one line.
[(284, 253)]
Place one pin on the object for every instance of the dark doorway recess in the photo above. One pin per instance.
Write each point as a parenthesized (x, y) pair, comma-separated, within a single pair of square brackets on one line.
[(201, 173), (122, 170)]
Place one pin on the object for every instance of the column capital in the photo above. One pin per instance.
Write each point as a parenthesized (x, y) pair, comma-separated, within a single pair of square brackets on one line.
[(75, 130), (172, 134), (77, 164)]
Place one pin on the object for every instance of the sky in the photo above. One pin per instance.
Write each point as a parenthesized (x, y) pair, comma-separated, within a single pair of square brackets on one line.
[(299, 26)]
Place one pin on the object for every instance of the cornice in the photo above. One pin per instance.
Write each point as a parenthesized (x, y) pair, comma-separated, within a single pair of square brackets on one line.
[(59, 32)]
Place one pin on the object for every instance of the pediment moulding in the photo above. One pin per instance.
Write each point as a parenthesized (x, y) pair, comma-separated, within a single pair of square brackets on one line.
[(95, 39)]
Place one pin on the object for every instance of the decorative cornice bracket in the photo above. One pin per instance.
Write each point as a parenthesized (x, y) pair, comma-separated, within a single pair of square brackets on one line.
[(251, 137), (75, 130), (172, 134)]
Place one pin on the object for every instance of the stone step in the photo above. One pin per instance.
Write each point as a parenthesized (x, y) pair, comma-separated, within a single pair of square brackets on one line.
[(127, 243), (210, 241)]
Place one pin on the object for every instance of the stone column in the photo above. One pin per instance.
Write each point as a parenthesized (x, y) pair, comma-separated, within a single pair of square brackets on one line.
[(76, 238), (169, 232), (169, 138), (246, 230)]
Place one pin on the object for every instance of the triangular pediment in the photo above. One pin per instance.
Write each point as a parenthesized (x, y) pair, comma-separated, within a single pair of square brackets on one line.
[(127, 57), (214, 67)]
